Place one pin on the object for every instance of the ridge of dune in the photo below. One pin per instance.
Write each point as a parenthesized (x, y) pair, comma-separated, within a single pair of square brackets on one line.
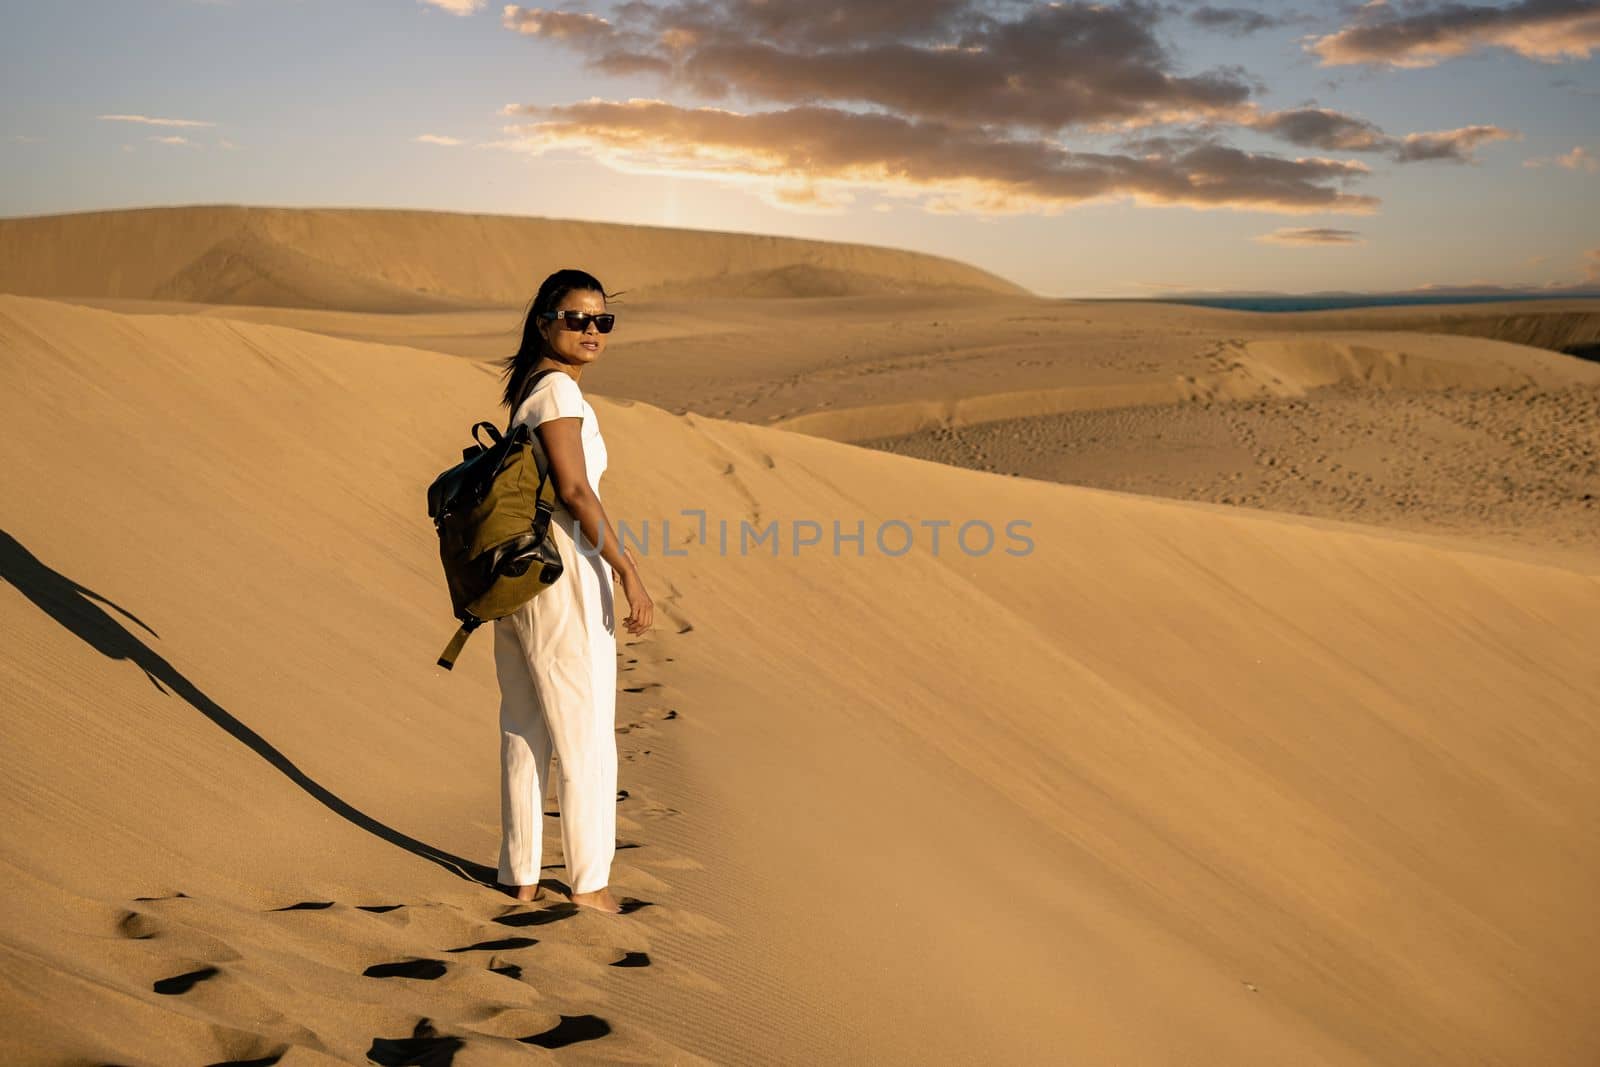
[(1180, 783), (251, 270), (1283, 366), (792, 281), (370, 259)]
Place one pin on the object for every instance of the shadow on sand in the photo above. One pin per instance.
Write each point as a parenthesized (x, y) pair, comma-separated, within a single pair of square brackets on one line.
[(78, 610)]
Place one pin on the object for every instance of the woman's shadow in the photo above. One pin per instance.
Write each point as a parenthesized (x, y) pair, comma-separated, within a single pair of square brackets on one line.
[(76, 608)]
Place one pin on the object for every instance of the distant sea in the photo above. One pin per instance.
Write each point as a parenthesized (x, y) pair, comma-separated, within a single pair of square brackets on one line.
[(1333, 303)]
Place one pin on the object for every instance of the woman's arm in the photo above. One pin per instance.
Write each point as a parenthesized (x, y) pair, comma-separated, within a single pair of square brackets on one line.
[(563, 445)]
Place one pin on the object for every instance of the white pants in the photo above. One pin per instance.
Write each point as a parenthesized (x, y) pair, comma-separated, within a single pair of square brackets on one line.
[(556, 659)]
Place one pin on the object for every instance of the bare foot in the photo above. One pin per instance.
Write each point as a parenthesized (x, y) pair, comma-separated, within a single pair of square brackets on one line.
[(524, 893), (599, 900)]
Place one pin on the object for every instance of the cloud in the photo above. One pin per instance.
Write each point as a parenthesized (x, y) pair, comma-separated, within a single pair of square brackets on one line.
[(811, 155), (1237, 21), (1310, 236), (1313, 127), (1044, 68), (1453, 145), (1580, 158), (148, 121), (24, 138), (174, 139), (556, 25), (434, 138), (456, 7), (1429, 33), (998, 80)]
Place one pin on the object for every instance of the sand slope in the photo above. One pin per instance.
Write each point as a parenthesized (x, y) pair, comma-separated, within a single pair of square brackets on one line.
[(1182, 784), (394, 260)]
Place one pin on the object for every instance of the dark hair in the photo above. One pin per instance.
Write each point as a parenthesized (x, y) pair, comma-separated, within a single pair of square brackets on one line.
[(516, 368)]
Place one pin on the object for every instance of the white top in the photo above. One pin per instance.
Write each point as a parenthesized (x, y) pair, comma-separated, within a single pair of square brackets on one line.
[(556, 396)]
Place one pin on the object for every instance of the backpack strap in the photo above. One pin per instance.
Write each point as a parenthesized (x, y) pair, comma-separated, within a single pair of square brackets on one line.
[(492, 430), (447, 659), (547, 495), (531, 383)]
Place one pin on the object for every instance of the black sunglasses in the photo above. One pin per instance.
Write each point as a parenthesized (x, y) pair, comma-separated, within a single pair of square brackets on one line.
[(579, 320)]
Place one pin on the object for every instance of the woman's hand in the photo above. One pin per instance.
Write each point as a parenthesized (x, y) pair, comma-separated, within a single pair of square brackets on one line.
[(642, 608)]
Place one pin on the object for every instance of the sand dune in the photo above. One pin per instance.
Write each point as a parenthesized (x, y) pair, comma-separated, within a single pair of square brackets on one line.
[(1277, 412), (1559, 324), (1290, 367), (1184, 783), (393, 261)]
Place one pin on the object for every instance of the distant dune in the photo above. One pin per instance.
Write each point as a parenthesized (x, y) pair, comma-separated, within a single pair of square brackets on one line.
[(1388, 415), (1291, 367), (1561, 324), (351, 259), (1180, 783)]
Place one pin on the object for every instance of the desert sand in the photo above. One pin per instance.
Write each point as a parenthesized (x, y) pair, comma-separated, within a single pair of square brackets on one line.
[(1246, 759)]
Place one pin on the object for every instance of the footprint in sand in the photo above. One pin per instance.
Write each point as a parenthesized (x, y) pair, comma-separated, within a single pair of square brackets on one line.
[(569, 1031), (633, 959), (179, 984), (660, 811), (136, 926), (542, 917), (424, 1046), (306, 905), (420, 969), (500, 945), (655, 711)]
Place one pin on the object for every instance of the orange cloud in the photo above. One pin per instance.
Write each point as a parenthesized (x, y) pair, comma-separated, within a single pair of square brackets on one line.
[(1049, 67), (814, 155), (1456, 145), (557, 25), (1314, 127), (1003, 84), (1580, 158), (1548, 31)]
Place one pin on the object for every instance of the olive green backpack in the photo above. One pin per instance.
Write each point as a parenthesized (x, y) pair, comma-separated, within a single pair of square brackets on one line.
[(492, 513)]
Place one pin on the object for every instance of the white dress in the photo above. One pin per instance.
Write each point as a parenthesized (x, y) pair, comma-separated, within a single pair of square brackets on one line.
[(556, 660)]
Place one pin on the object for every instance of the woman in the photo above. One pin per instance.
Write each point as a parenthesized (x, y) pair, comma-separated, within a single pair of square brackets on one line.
[(555, 657)]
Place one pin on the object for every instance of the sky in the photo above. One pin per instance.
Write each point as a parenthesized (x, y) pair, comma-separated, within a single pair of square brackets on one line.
[(1133, 149)]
